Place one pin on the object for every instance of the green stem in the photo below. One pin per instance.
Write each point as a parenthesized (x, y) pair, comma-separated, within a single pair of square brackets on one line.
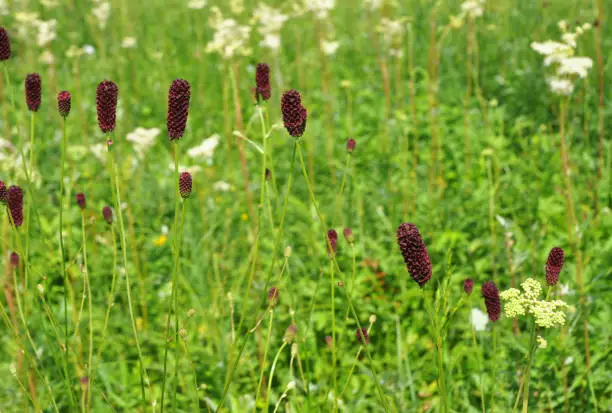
[(111, 299), (265, 357), (335, 263), (173, 294), (114, 172), (532, 346), (61, 233), (478, 353), (333, 315), (494, 384), (270, 379), (90, 305), (341, 193)]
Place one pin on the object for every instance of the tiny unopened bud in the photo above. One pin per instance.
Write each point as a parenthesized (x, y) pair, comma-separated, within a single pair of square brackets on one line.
[(268, 174), (80, 200), (329, 342), (348, 235), (362, 336), (41, 289), (183, 333), (350, 145), (14, 259), (468, 285), (291, 333), (288, 251), (191, 312), (372, 319), (340, 284), (273, 297), (294, 350)]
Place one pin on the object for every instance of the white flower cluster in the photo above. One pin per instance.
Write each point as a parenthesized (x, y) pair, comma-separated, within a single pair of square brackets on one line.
[(230, 39), (143, 139), (393, 32), (101, 12), (30, 23), (473, 8), (560, 56), (320, 8), (270, 21), (373, 4), (196, 4), (547, 314)]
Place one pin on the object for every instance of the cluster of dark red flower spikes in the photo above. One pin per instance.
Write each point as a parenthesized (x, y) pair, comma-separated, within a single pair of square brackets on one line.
[(294, 114)]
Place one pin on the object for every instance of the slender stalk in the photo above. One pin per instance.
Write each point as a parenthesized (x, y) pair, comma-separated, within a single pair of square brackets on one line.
[(114, 173), (601, 104), (335, 263), (532, 346), (265, 357), (492, 192), (173, 294), (478, 352), (61, 233), (494, 384), (333, 316), (433, 315), (90, 308), (280, 350), (341, 193), (111, 298)]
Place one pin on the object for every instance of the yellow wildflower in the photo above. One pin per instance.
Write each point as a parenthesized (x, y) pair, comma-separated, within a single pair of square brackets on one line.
[(244, 216), (160, 241)]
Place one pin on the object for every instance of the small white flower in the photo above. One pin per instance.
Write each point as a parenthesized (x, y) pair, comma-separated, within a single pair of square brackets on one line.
[(473, 8), (329, 47), (560, 86), (206, 149), (271, 41), (47, 58), (542, 343), (74, 52), (13, 369), (4, 11), (320, 8), (143, 139), (102, 13), (575, 66), (99, 150), (46, 32), (129, 42), (230, 38), (89, 49), (222, 186), (562, 25), (196, 4), (479, 319)]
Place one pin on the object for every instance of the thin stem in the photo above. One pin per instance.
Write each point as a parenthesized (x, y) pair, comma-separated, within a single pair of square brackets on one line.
[(335, 263), (173, 294), (333, 315), (478, 352), (494, 384), (61, 233), (341, 193), (280, 350), (114, 172), (90, 305), (524, 386), (265, 357), (111, 298)]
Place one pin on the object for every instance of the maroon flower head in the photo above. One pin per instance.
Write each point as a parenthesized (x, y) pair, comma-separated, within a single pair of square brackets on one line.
[(32, 91), (332, 236), (415, 253), (468, 285), (262, 80), (273, 297), (106, 103), (268, 174), (3, 193), (63, 103), (80, 200), (350, 145), (362, 336), (14, 259), (107, 213), (490, 293), (178, 108), (5, 45), (15, 204), (348, 235), (294, 114), (554, 264), (185, 185)]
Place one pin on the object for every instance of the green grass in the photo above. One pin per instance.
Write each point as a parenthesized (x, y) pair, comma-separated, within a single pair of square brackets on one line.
[(488, 210)]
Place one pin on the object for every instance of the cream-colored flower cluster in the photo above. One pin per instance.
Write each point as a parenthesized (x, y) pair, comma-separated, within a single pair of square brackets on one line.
[(393, 32), (547, 314), (230, 39), (560, 56), (270, 21)]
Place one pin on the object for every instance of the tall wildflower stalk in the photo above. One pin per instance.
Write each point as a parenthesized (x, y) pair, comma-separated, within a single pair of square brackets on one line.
[(179, 95), (106, 102)]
